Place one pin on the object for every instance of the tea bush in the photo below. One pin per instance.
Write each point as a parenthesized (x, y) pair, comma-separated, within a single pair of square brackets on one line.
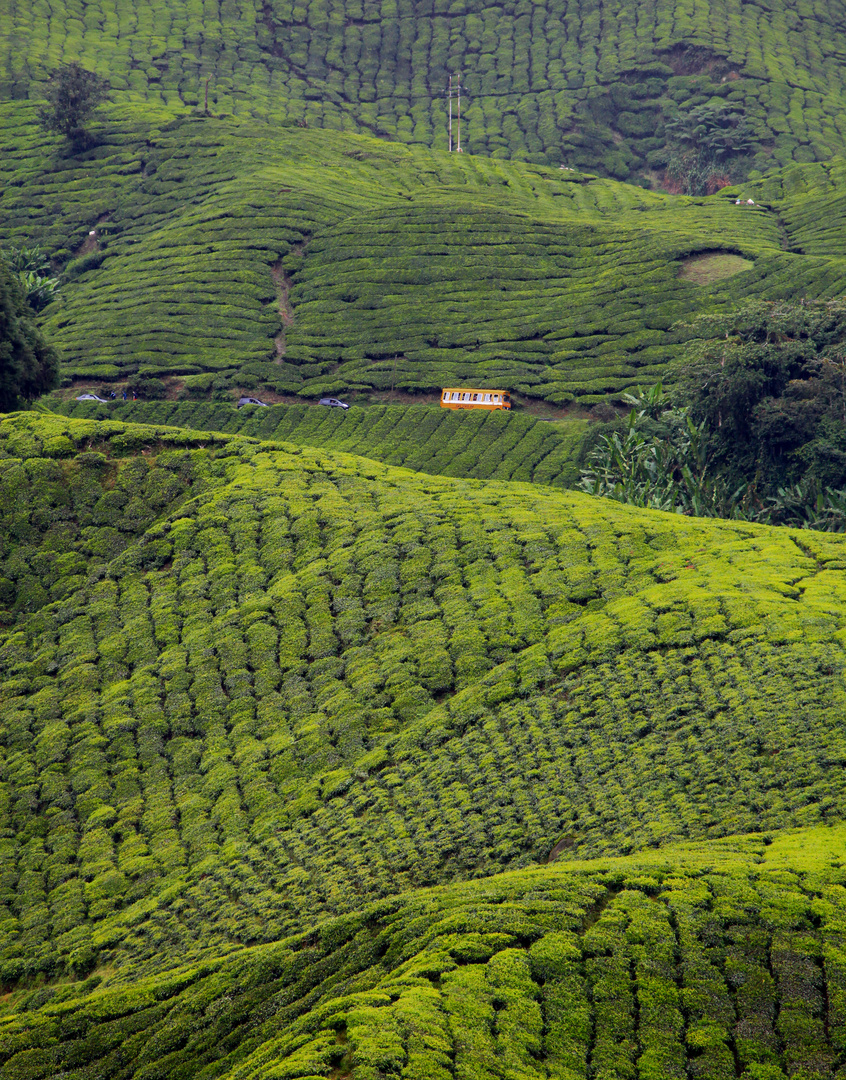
[(698, 961), (548, 83)]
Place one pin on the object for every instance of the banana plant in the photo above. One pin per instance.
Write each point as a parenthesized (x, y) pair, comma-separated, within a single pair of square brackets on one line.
[(659, 459), (32, 268)]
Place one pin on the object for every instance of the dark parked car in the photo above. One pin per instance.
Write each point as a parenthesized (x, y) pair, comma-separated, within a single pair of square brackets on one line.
[(90, 397), (333, 402), (251, 401)]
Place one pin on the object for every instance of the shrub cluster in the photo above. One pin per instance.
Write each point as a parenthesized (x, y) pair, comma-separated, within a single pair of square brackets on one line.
[(481, 445), (314, 262)]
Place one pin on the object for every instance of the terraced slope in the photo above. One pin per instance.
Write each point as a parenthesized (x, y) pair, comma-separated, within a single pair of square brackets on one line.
[(708, 962), (312, 681), (575, 83), (313, 263), (481, 445), (811, 201)]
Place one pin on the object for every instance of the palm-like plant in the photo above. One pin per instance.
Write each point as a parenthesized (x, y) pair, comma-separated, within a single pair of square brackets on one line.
[(32, 268)]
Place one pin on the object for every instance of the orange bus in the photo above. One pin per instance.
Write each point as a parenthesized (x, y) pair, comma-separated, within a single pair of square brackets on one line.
[(462, 398)]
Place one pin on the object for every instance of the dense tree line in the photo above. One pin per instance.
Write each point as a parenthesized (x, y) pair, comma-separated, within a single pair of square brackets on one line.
[(754, 426)]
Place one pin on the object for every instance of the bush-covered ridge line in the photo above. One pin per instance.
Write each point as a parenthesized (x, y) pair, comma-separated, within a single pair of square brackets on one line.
[(479, 446), (313, 680), (698, 958)]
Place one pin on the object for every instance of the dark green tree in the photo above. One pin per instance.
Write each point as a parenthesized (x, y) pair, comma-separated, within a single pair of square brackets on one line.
[(767, 382), (72, 93), (28, 365), (754, 427)]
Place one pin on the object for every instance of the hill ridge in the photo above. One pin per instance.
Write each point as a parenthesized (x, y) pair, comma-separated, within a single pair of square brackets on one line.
[(561, 84), (646, 947)]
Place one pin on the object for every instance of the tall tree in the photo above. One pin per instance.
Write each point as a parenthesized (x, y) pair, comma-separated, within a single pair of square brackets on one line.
[(28, 365), (72, 93)]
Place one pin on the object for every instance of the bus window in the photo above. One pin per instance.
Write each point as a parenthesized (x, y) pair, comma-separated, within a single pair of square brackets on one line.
[(496, 397), (487, 397), (475, 397)]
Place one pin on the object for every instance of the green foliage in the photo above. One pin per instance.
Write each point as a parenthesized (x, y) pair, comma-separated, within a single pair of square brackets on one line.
[(254, 695), (658, 458), (761, 433), (273, 718), (764, 378), (32, 267), (768, 387), (699, 961), (704, 145), (720, 130), (28, 365), (481, 445), (72, 94), (545, 83), (313, 263), (240, 672)]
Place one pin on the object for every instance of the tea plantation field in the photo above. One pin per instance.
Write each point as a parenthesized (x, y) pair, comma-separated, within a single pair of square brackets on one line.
[(711, 963), (583, 84), (255, 695), (481, 445), (231, 255), (353, 745)]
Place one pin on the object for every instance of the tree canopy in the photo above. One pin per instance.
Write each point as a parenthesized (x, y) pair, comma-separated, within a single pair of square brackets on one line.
[(72, 93), (28, 365), (766, 382), (754, 427)]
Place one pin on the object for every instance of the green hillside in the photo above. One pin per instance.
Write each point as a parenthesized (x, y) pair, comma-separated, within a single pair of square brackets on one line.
[(306, 262), (248, 687), (355, 745), (589, 85), (480, 445), (710, 963)]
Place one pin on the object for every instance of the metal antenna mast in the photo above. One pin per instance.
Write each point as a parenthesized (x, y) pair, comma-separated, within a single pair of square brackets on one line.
[(458, 148), (450, 113)]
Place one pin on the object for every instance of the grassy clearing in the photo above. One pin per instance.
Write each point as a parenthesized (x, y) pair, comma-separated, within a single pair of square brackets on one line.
[(707, 269)]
